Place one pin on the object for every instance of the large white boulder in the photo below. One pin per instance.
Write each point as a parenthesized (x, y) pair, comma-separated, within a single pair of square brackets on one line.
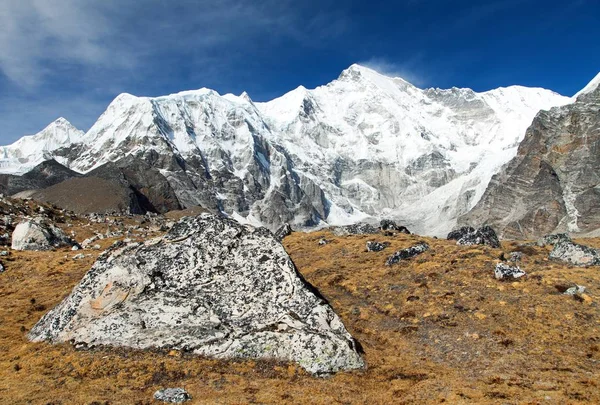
[(211, 286), (37, 234)]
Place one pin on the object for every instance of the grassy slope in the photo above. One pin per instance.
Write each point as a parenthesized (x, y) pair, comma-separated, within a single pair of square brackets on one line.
[(438, 328)]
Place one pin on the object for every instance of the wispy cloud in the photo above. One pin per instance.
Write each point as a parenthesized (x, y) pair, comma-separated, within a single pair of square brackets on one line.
[(116, 35), (410, 70)]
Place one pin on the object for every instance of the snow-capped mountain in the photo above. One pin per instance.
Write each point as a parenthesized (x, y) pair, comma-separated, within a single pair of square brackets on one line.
[(363, 145), (31, 150)]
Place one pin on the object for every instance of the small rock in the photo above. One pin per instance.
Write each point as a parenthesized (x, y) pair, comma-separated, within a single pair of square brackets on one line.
[(4, 253), (515, 257), (508, 273), (376, 246), (96, 247), (172, 395), (75, 247), (78, 256), (407, 253), (577, 289), (2, 268), (576, 254), (389, 225), (283, 231), (323, 242)]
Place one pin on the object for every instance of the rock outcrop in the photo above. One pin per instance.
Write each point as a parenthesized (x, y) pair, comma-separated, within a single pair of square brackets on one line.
[(211, 286), (359, 228), (576, 254), (37, 234), (468, 236), (172, 395), (553, 184), (373, 246)]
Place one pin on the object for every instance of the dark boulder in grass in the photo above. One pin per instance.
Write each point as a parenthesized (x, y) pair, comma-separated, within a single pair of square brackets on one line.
[(407, 253), (210, 286), (468, 236), (387, 225)]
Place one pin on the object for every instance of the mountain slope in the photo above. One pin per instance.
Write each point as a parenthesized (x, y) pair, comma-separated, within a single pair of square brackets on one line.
[(553, 184), (365, 145)]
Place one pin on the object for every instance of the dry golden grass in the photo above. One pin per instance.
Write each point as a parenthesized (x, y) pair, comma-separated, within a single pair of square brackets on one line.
[(437, 328)]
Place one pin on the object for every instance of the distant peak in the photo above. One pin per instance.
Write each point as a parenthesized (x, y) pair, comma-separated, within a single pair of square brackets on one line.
[(245, 96)]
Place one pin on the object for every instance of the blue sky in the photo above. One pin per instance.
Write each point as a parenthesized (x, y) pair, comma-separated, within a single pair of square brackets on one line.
[(72, 57)]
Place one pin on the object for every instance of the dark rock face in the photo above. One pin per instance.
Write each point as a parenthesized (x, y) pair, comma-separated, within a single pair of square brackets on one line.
[(38, 234), (553, 239), (172, 395), (391, 226), (470, 236), (283, 231), (576, 254), (505, 272), (407, 253), (360, 228), (376, 246), (553, 184), (44, 175), (210, 286)]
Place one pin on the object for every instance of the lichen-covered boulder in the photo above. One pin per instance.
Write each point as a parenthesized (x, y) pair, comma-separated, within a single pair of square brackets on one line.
[(407, 253), (506, 272), (172, 395), (37, 234), (576, 254), (210, 286), (470, 236), (553, 239)]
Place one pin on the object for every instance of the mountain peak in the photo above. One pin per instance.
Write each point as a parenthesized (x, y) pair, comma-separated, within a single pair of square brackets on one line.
[(591, 86)]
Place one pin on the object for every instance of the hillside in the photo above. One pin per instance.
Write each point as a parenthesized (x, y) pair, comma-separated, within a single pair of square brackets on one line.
[(436, 328)]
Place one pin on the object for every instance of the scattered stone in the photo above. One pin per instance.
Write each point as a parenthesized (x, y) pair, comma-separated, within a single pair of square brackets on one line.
[(210, 286), (4, 253), (553, 239), (323, 242), (506, 272), (576, 254), (75, 247), (515, 257), (1, 268), (96, 247), (376, 246), (89, 241), (37, 234), (407, 253), (283, 231), (577, 289), (389, 225), (79, 256), (172, 395), (468, 236), (360, 228)]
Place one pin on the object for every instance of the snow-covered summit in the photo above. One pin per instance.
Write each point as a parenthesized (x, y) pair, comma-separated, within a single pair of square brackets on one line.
[(363, 145), (30, 150)]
